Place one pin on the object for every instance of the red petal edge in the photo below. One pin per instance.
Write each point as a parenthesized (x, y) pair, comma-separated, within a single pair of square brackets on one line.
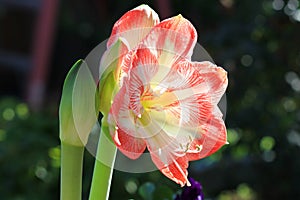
[(176, 171), (141, 19)]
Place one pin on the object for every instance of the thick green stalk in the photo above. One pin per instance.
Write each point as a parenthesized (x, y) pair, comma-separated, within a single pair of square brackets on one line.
[(71, 172), (103, 169)]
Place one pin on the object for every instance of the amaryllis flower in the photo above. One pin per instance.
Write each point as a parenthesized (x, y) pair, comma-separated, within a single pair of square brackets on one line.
[(163, 102)]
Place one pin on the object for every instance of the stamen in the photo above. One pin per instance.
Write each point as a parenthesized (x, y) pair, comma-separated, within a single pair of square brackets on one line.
[(199, 147), (190, 138), (187, 147), (181, 145)]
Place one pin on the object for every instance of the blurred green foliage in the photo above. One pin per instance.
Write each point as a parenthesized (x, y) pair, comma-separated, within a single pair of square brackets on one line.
[(29, 153), (257, 42)]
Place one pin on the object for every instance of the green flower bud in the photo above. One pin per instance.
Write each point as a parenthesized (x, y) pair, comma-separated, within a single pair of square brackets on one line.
[(78, 111)]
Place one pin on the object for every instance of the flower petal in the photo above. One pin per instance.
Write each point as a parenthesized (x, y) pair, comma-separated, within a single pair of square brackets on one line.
[(123, 128), (183, 118), (130, 146), (176, 170), (164, 154), (213, 138), (215, 77), (181, 76), (111, 73), (170, 40), (188, 78), (113, 58), (176, 35), (134, 25), (144, 67)]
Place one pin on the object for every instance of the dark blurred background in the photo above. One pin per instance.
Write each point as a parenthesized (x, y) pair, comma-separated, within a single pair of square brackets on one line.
[(257, 42)]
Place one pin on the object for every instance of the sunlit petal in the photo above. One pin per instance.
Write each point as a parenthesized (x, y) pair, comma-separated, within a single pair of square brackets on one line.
[(213, 138), (131, 146), (187, 78), (215, 77), (134, 25), (175, 170), (123, 128), (144, 67), (171, 40)]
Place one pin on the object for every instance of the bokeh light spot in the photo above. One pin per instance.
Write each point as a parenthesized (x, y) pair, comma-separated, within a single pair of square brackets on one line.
[(54, 154), (227, 3), (8, 114), (293, 79), (290, 76), (246, 60), (131, 186), (277, 4), (294, 137), (267, 143), (232, 136), (244, 191), (296, 85), (269, 156), (296, 15), (288, 11), (41, 172), (22, 110), (293, 4), (289, 105)]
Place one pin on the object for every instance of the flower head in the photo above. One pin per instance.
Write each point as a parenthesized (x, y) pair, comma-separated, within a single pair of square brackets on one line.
[(164, 102)]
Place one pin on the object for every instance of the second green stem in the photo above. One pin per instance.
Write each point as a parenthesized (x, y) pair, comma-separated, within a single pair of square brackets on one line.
[(103, 170)]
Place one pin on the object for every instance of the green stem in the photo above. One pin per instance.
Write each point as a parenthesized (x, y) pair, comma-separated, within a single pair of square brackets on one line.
[(103, 169), (71, 172)]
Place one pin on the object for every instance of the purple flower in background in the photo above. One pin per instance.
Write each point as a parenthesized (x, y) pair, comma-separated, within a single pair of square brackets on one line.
[(193, 192)]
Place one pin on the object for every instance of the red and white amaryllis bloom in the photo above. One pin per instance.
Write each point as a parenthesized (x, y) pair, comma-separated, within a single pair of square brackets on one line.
[(165, 102)]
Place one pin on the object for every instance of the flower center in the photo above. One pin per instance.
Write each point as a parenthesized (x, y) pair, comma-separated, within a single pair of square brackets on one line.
[(158, 101), (159, 122)]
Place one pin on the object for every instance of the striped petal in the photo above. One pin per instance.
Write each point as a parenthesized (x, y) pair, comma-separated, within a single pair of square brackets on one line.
[(176, 170), (188, 78), (165, 155), (213, 138), (170, 40), (134, 25), (123, 128), (215, 77), (130, 146), (144, 67)]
